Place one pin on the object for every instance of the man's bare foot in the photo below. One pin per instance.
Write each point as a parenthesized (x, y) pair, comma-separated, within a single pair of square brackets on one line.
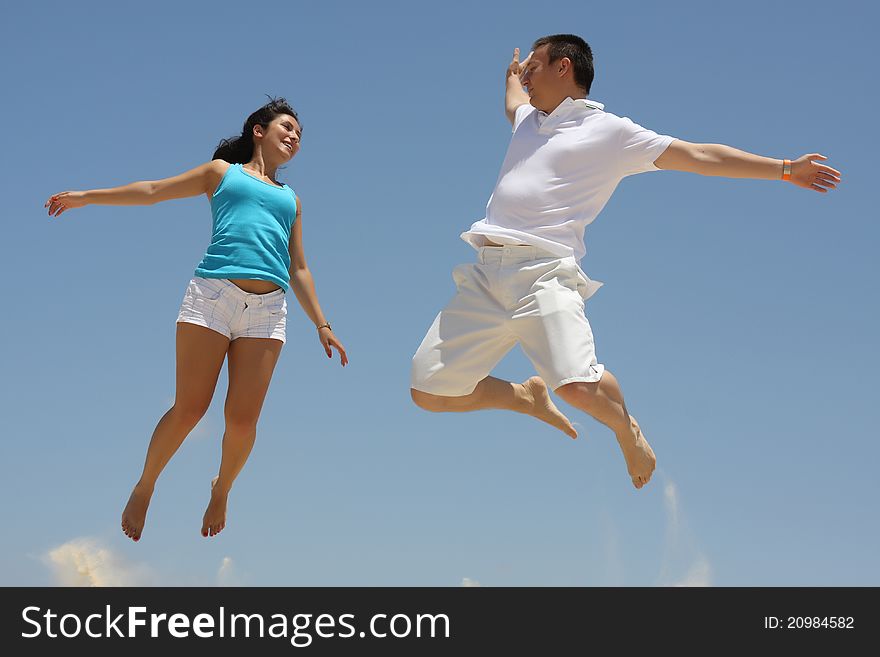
[(215, 515), (539, 405), (135, 513), (640, 459)]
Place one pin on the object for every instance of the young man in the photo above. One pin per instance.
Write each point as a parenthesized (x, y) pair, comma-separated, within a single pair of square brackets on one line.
[(564, 161)]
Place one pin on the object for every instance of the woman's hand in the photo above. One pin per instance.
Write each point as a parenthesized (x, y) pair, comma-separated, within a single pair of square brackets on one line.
[(58, 203), (325, 334)]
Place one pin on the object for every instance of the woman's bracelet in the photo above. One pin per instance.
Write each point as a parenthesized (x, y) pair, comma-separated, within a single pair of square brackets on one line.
[(325, 325)]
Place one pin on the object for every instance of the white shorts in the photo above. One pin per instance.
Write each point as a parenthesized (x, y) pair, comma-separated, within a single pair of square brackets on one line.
[(222, 306), (513, 294)]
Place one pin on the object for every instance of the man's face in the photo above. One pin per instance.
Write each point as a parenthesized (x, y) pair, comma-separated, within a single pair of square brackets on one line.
[(541, 79)]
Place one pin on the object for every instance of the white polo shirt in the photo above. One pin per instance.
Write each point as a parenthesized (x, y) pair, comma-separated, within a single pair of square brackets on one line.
[(559, 171)]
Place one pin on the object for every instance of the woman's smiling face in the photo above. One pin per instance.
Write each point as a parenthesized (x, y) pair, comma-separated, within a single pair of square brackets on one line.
[(283, 133)]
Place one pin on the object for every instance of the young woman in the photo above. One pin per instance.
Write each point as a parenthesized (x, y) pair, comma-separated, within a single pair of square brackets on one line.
[(235, 307)]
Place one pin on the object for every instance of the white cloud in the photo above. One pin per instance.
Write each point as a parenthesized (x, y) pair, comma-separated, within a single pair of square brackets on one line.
[(683, 563), (84, 562), (700, 574), (613, 574), (226, 575), (467, 582), (670, 496)]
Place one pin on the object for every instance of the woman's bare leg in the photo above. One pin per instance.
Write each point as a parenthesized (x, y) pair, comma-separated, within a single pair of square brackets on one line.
[(251, 363), (200, 353)]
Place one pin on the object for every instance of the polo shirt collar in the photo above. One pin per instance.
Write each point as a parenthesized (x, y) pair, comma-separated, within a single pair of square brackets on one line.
[(568, 107)]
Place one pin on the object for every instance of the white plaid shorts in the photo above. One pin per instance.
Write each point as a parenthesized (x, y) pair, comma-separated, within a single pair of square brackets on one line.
[(222, 306), (513, 294)]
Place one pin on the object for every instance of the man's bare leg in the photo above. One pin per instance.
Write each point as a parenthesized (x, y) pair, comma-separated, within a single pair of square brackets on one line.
[(604, 401), (530, 397)]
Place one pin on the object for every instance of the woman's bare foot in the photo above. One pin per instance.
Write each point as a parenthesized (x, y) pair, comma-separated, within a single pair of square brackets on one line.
[(640, 459), (215, 515), (135, 513), (539, 405)]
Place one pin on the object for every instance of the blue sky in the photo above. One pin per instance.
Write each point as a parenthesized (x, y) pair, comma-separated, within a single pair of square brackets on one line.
[(739, 316)]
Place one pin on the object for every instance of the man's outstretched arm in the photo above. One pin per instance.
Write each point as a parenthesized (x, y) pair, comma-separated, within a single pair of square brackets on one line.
[(514, 96), (720, 160)]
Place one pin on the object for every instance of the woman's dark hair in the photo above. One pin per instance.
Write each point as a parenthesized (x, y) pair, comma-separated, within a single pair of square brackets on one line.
[(578, 52), (240, 149)]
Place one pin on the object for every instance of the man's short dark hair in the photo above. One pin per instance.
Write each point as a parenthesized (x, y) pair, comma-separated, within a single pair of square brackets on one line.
[(578, 52)]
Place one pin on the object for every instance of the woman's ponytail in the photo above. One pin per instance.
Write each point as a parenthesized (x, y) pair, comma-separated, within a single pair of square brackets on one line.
[(236, 149)]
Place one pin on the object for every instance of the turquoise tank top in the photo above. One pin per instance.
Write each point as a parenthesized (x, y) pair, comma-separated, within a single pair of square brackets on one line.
[(252, 222)]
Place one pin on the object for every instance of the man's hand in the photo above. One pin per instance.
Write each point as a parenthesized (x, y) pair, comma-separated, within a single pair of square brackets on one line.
[(516, 68), (812, 175), (514, 96)]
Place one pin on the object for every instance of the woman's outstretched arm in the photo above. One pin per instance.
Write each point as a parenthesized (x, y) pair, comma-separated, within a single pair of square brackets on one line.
[(303, 286), (147, 192)]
